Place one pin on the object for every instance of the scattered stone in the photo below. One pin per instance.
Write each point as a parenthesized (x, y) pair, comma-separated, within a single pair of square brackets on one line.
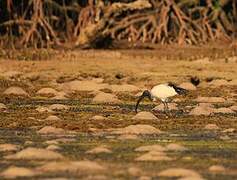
[(217, 168), (35, 154), (145, 115), (55, 142), (84, 86), (134, 171), (175, 147), (8, 147), (124, 88), (210, 105), (225, 137), (42, 109), (139, 129), (154, 147), (14, 172), (53, 147), (102, 97), (32, 76), (201, 110), (58, 107), (219, 82), (60, 96), (47, 92), (154, 156), (52, 118), (51, 130), (229, 130), (234, 108), (72, 167), (211, 99), (97, 80), (188, 86), (17, 91), (224, 110), (204, 61), (3, 107), (128, 137), (179, 172), (160, 107), (98, 117), (28, 143), (211, 127), (98, 150), (233, 82), (144, 178), (12, 74)]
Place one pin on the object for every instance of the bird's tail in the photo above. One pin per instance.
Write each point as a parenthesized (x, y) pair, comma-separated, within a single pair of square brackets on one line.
[(181, 91)]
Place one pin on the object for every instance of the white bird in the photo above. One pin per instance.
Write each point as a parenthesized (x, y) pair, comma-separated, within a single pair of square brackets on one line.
[(162, 92)]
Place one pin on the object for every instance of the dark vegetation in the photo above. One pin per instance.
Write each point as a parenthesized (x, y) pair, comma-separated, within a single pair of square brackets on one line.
[(95, 23)]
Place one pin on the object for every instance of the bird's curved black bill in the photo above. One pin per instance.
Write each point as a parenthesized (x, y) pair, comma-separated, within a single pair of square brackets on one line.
[(139, 100)]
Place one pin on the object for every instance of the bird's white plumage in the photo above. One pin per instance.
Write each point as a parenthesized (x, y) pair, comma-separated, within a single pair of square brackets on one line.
[(162, 92)]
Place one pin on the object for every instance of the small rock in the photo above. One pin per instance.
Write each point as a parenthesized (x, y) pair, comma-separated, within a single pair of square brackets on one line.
[(3, 107), (224, 110), (179, 172), (72, 167), (12, 74), (145, 115), (58, 107), (51, 130), (211, 99), (154, 156), (217, 168), (140, 129), (134, 171), (144, 178), (128, 137), (47, 91), (234, 108), (175, 147), (225, 137), (172, 106), (206, 105), (102, 97), (211, 127), (52, 118), (8, 147), (17, 91), (60, 96), (55, 142), (98, 150), (201, 110), (154, 147), (229, 130), (14, 172), (219, 82), (124, 88), (35, 154), (83, 86), (42, 109), (97, 118), (28, 143), (53, 147), (188, 86)]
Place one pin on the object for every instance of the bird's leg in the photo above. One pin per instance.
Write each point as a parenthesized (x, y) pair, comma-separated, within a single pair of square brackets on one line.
[(165, 107)]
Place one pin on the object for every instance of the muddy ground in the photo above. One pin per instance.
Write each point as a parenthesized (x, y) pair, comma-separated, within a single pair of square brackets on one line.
[(92, 136)]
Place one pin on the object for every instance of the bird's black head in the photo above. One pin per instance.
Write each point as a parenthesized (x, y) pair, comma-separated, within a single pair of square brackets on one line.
[(145, 93)]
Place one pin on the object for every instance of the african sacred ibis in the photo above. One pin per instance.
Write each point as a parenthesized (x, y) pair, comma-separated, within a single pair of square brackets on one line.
[(162, 92)]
